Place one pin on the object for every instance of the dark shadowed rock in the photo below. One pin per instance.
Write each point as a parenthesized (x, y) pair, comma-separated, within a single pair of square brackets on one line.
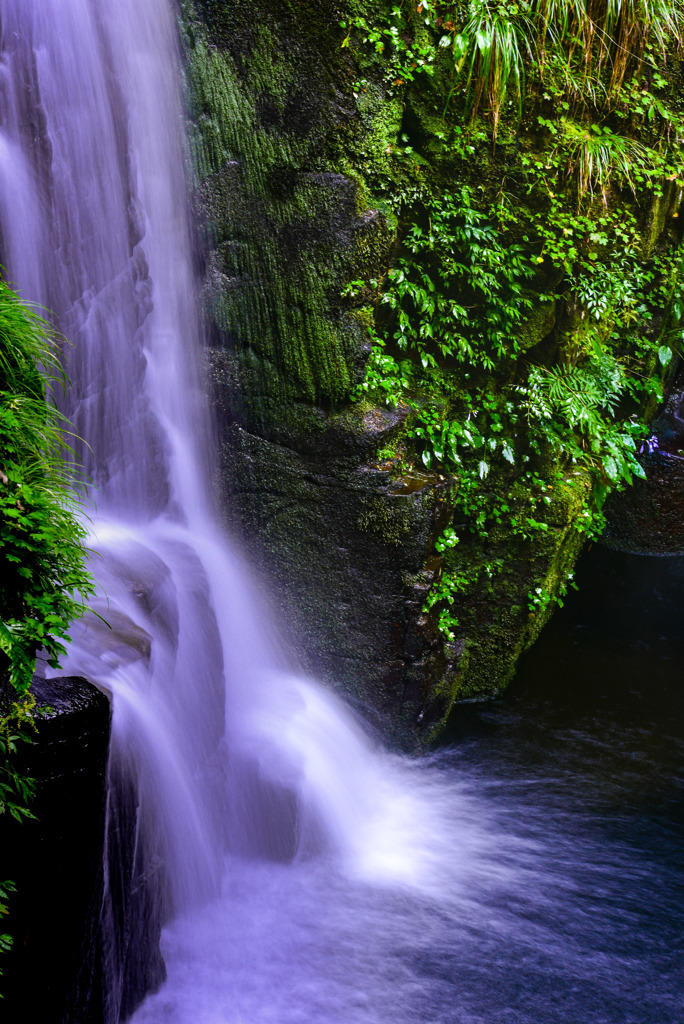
[(56, 860), (347, 546), (648, 518)]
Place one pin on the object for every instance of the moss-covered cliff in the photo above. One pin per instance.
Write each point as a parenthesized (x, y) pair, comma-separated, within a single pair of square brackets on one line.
[(442, 281)]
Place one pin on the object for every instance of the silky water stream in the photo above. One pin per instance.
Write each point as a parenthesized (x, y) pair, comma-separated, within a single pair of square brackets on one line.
[(528, 874)]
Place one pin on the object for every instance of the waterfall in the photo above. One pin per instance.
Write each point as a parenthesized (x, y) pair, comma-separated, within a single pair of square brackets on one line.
[(302, 874), (219, 749)]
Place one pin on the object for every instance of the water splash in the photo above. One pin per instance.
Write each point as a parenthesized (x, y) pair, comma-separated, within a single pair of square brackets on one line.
[(228, 751)]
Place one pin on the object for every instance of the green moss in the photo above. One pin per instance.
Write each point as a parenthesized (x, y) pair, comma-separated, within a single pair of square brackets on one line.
[(390, 521), (538, 325), (251, 181), (381, 118)]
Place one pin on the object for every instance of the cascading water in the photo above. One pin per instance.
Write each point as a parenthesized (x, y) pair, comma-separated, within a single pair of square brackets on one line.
[(306, 877), (228, 750)]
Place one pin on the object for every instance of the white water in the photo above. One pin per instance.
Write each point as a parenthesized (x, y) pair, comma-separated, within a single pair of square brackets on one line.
[(241, 766)]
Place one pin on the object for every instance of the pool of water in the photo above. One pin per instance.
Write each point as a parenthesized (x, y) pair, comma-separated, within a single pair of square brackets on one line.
[(539, 873)]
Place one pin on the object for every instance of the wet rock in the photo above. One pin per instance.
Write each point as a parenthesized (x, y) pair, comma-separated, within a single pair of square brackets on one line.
[(347, 548), (648, 518), (56, 860), (131, 964)]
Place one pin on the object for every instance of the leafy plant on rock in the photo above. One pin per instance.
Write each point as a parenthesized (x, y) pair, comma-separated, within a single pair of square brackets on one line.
[(44, 582), (43, 579)]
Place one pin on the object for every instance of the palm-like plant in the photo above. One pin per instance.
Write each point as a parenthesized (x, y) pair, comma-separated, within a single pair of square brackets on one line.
[(592, 39), (494, 45), (596, 155)]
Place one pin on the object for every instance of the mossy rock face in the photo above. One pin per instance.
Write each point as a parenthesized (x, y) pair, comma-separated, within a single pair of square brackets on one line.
[(293, 164), (270, 109), (494, 611), (348, 547), (347, 542)]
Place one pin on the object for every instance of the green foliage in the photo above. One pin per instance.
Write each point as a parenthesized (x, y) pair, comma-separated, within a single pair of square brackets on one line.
[(488, 48), (16, 790), (586, 122), (458, 293), (450, 344), (453, 582), (493, 45), (406, 57), (444, 593), (541, 600), (572, 409), (458, 302), (596, 154), (6, 888), (44, 581)]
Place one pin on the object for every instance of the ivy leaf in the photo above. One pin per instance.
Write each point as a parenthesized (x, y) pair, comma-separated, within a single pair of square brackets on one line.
[(508, 453), (483, 469), (664, 354)]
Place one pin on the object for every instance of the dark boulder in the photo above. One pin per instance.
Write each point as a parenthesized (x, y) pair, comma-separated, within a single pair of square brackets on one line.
[(56, 860)]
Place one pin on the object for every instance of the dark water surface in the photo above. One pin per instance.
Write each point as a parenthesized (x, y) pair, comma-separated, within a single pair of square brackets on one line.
[(584, 756)]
